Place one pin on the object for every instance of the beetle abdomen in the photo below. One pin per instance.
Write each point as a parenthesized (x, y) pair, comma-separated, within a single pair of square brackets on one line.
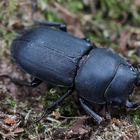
[(49, 54)]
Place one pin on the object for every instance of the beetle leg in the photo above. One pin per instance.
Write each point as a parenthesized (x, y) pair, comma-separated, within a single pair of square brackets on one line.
[(34, 83), (132, 105), (59, 25), (52, 106), (97, 118), (87, 40)]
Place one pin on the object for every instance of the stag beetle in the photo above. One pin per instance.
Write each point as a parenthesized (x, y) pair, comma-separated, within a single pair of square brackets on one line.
[(99, 75)]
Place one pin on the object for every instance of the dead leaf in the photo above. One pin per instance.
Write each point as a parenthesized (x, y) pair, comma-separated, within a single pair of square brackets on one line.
[(56, 114), (9, 121)]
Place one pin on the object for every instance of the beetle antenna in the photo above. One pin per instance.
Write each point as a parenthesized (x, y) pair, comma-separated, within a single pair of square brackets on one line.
[(52, 106)]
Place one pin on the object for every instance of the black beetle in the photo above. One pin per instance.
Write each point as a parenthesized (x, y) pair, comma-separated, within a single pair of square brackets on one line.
[(99, 75)]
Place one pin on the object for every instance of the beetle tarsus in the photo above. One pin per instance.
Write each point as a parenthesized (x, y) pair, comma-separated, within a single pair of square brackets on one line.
[(52, 106), (94, 115), (59, 25)]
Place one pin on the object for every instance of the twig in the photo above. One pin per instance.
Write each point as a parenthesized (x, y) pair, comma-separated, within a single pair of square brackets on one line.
[(53, 120), (64, 10), (27, 117), (11, 134)]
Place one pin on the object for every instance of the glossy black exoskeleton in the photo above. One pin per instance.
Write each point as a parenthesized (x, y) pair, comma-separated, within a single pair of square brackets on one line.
[(99, 75)]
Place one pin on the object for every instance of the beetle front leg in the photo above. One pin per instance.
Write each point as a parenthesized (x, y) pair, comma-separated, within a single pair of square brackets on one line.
[(59, 25), (97, 118)]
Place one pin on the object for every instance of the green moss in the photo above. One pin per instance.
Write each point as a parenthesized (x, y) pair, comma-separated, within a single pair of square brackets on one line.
[(12, 102), (72, 5), (51, 16), (136, 120)]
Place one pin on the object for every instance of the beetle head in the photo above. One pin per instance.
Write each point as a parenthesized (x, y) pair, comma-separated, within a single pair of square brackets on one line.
[(122, 85)]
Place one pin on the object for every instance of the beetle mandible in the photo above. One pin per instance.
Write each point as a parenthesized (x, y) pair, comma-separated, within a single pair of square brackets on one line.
[(99, 75)]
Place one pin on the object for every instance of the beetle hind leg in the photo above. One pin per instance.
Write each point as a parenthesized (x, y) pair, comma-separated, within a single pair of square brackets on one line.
[(87, 40), (34, 83), (94, 115), (59, 25)]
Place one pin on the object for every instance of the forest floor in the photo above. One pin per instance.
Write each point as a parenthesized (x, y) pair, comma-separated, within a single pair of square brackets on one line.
[(110, 24)]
